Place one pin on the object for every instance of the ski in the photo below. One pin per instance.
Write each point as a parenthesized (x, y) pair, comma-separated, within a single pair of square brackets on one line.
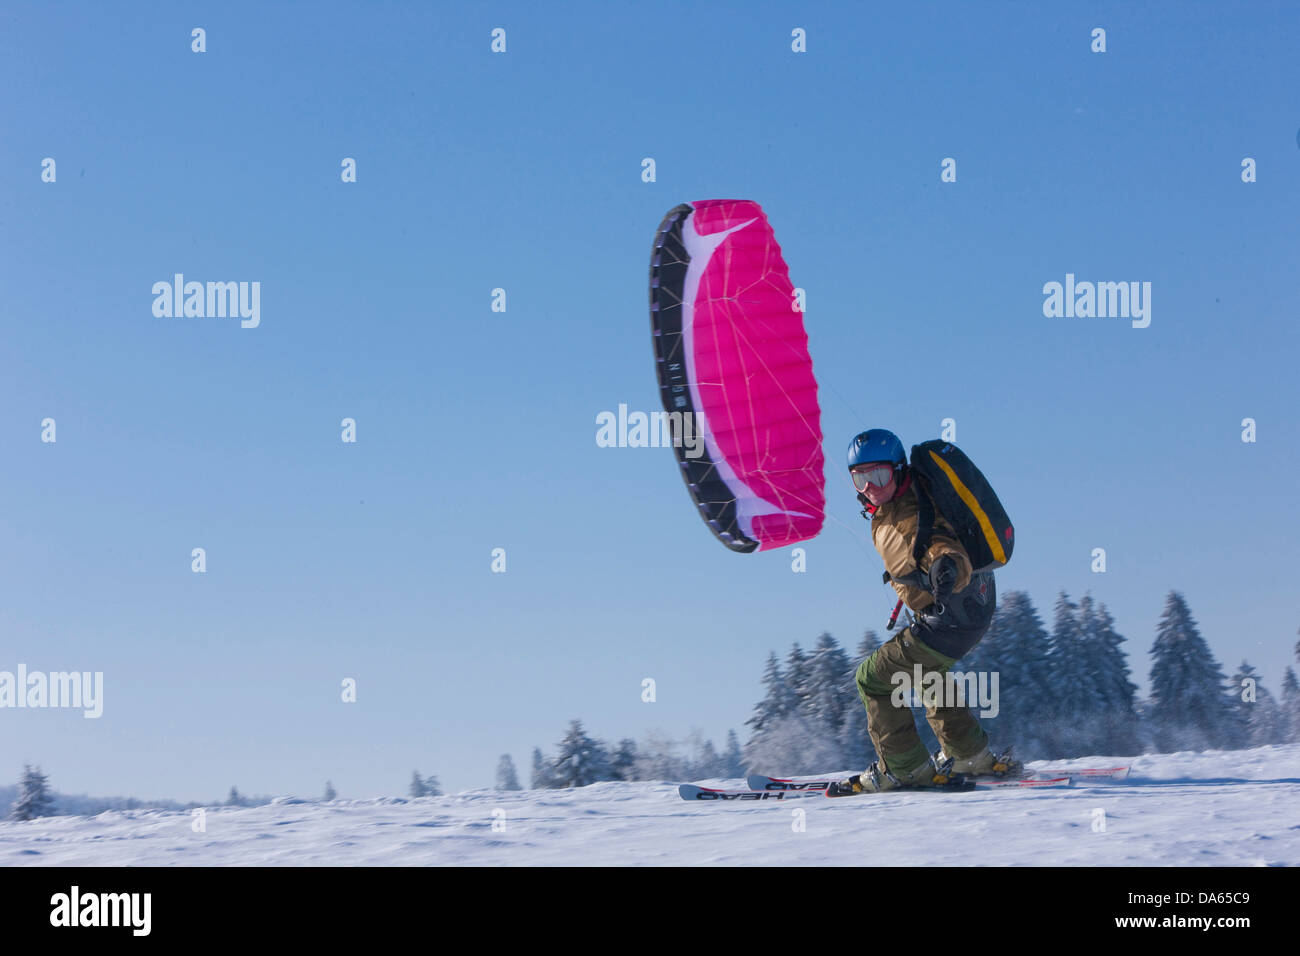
[(1023, 782), (783, 789), (688, 791), (757, 781), (1050, 775), (957, 784), (1111, 773), (760, 784), (961, 785)]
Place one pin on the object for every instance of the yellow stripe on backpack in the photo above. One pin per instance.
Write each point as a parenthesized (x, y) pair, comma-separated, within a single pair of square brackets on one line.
[(986, 526)]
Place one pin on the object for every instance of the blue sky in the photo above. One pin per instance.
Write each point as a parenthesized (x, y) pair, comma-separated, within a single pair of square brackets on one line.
[(476, 429)]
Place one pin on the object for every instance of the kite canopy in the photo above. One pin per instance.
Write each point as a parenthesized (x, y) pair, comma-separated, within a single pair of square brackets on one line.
[(735, 375)]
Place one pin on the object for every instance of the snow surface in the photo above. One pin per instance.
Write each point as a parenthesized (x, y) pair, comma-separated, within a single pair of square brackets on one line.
[(1219, 808)]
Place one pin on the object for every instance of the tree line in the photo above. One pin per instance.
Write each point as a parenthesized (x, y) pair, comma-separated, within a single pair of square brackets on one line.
[(1064, 692)]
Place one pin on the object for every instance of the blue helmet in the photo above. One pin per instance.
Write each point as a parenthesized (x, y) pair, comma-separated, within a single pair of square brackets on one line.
[(876, 445)]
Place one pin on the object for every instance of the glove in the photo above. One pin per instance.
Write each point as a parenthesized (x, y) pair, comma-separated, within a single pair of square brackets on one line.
[(943, 575)]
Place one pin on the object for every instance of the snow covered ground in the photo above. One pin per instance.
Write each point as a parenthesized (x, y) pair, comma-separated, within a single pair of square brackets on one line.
[(1233, 808)]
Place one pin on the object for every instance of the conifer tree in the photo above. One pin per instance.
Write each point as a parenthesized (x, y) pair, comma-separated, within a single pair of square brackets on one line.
[(1258, 716), (827, 691), (1074, 686), (1015, 648), (784, 739), (707, 763), (507, 778), (778, 701), (854, 742), (733, 761), (417, 788), (1115, 714), (1290, 707), (622, 762), (1188, 706), (796, 675), (34, 797), (541, 777), (581, 760)]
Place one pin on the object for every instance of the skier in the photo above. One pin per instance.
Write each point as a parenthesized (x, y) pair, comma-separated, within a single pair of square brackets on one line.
[(951, 609)]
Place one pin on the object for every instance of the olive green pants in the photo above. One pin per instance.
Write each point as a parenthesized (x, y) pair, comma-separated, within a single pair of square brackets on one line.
[(892, 729)]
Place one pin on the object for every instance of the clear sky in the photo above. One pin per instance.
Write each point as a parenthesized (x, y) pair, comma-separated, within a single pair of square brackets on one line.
[(476, 429)]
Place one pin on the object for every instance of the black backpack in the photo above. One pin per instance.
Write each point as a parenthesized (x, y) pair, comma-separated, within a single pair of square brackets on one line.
[(948, 482)]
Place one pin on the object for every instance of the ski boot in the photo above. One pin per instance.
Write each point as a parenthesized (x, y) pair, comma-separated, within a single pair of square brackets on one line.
[(877, 778), (983, 764)]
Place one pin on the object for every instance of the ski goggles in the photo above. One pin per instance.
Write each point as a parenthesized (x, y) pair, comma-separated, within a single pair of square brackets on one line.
[(879, 476)]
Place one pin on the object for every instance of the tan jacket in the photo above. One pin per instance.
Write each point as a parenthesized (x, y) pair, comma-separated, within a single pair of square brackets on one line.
[(893, 532)]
